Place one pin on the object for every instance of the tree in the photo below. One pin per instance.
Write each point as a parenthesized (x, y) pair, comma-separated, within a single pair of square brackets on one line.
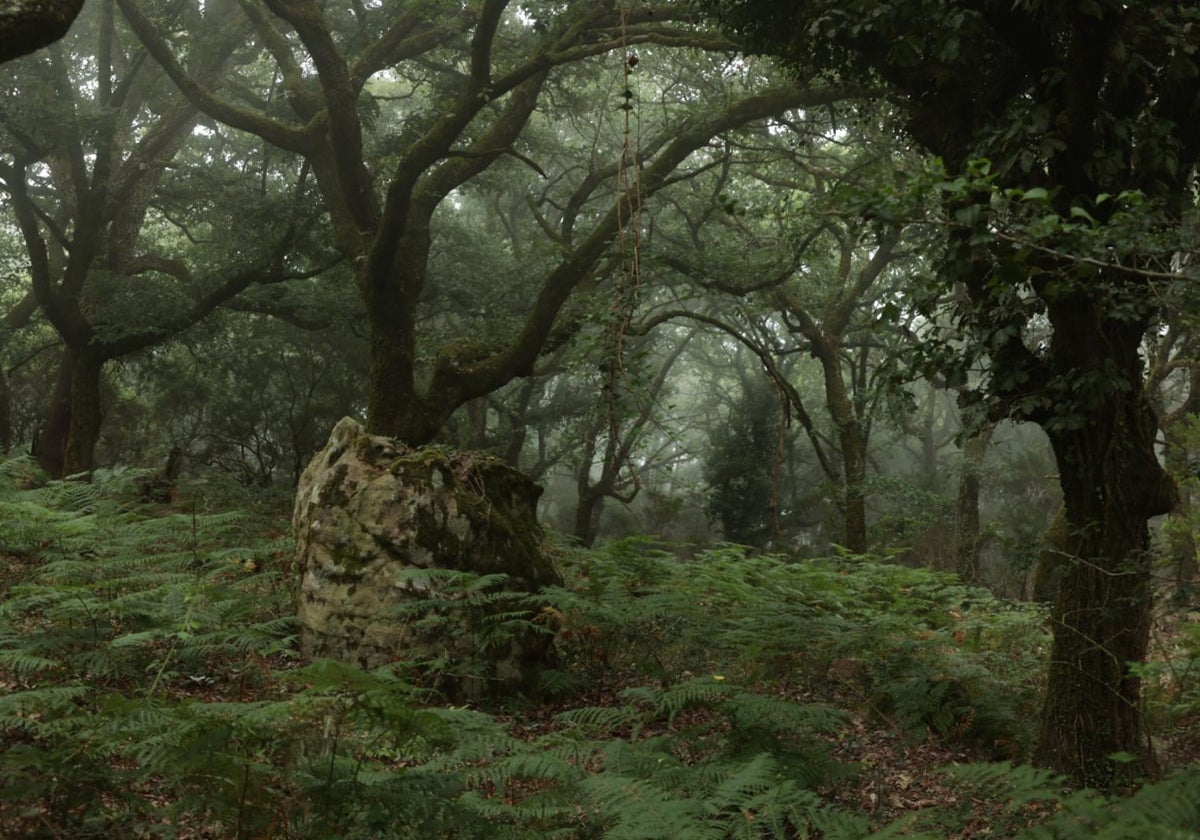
[(773, 237), (29, 25), (743, 455), (614, 432), (1072, 103), (90, 141), (469, 81)]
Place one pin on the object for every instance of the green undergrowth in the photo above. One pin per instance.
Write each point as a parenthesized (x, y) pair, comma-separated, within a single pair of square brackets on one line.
[(150, 689)]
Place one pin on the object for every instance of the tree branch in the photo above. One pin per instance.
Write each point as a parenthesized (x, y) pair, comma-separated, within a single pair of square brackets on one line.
[(289, 137), (29, 25)]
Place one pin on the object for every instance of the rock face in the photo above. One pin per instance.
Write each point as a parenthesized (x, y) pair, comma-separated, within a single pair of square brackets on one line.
[(375, 525)]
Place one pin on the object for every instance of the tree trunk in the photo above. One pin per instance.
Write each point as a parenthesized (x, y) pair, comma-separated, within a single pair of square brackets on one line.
[(477, 413), (854, 456), (1112, 483), (967, 537), (394, 408), (5, 413), (853, 446), (84, 428), (587, 518), (50, 445), (520, 426)]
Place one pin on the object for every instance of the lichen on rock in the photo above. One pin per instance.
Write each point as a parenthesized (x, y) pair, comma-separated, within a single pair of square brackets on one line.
[(370, 513)]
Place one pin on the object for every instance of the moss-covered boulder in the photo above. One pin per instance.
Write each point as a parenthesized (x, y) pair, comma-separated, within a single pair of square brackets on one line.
[(380, 528)]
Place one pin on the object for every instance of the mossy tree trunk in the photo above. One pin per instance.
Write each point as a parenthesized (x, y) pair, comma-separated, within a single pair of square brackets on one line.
[(853, 440), (968, 538), (50, 442)]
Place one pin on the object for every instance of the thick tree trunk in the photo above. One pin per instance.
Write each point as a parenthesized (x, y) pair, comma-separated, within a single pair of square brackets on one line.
[(394, 408), (50, 446), (1112, 483), (854, 457), (84, 429), (967, 537)]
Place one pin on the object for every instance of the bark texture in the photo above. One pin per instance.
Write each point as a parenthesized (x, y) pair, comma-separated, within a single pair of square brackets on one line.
[(968, 538), (29, 25), (1112, 484)]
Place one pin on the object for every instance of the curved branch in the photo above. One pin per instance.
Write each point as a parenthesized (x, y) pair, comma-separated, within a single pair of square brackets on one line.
[(767, 360), (341, 106), (29, 25), (288, 137), (518, 360)]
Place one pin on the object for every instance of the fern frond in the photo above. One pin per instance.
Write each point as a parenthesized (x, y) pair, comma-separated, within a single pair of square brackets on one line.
[(672, 700), (26, 664), (600, 720), (1019, 783), (637, 809)]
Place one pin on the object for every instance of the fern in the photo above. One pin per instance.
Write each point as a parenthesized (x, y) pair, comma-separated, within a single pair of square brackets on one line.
[(149, 652), (1167, 809), (670, 701)]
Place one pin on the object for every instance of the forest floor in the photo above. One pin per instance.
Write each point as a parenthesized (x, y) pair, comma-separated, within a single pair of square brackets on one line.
[(897, 774)]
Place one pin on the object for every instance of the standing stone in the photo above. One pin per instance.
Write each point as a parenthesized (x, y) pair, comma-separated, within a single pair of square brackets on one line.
[(375, 522)]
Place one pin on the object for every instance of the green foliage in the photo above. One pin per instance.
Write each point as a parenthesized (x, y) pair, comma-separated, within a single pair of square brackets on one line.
[(152, 689), (700, 758), (917, 648), (909, 510), (1026, 802), (130, 651), (739, 465)]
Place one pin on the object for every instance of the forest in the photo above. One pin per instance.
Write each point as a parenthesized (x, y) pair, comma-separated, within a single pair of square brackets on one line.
[(599, 419)]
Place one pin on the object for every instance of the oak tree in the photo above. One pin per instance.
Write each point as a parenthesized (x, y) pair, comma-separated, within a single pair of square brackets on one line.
[(397, 109), (1073, 104)]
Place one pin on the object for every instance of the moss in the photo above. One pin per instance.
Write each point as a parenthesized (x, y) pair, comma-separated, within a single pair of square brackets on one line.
[(343, 542), (497, 502), (432, 507), (333, 492)]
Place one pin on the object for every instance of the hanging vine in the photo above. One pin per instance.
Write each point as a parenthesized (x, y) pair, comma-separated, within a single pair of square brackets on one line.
[(629, 231)]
